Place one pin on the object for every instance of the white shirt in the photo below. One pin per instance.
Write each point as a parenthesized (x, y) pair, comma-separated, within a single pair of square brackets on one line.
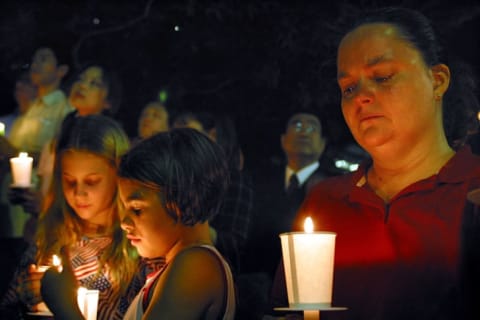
[(40, 123), (302, 175)]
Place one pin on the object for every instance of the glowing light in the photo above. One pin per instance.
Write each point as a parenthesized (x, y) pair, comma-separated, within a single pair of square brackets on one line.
[(308, 225), (353, 167), (163, 96), (345, 165), (176, 28), (56, 261)]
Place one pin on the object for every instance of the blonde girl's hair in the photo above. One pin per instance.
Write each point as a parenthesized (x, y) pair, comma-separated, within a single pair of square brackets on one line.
[(58, 224)]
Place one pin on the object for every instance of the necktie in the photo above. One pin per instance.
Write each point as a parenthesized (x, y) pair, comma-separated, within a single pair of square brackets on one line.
[(293, 184)]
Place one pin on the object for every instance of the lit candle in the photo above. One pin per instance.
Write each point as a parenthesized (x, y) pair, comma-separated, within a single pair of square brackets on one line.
[(88, 302), (21, 170), (2, 129), (56, 262), (308, 258)]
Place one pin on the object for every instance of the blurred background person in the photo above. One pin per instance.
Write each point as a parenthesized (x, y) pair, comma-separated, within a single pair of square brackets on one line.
[(282, 190), (278, 195), (154, 118), (24, 93), (42, 121)]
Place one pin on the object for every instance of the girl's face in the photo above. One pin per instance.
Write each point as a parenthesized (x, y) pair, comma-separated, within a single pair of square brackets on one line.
[(154, 119), (388, 92), (148, 226), (89, 184), (89, 92)]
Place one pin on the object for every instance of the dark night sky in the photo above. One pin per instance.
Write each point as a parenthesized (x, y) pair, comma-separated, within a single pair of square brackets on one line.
[(256, 60)]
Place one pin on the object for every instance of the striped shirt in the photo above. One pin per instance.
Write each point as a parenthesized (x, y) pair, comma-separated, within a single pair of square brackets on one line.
[(85, 260)]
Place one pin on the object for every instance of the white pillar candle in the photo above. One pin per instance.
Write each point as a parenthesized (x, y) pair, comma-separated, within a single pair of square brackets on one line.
[(308, 258), (2, 129), (22, 170), (88, 302)]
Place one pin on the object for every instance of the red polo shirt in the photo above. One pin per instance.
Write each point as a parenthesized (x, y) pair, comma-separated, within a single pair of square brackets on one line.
[(399, 260)]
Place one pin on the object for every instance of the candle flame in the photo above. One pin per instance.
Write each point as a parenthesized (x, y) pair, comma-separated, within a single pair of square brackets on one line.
[(57, 262), (308, 225), (23, 155)]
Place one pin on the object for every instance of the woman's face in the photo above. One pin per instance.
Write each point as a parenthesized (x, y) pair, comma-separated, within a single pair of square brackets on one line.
[(387, 90), (147, 224), (89, 92), (153, 119), (89, 185)]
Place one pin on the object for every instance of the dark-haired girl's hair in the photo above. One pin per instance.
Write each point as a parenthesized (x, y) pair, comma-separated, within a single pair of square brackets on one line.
[(186, 167)]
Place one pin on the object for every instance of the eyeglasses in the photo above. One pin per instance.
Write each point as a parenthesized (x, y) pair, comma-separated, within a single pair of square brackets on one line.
[(299, 126)]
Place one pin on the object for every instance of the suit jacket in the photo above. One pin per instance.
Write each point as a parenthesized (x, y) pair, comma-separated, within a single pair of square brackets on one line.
[(274, 212)]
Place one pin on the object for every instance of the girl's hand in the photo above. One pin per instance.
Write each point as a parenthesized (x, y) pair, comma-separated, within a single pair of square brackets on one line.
[(29, 289), (59, 291)]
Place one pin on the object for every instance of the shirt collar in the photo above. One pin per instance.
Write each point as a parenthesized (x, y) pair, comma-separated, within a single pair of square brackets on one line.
[(457, 169), (302, 174), (53, 97)]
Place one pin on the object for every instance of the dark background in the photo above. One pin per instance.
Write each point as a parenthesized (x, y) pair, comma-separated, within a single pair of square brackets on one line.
[(258, 61)]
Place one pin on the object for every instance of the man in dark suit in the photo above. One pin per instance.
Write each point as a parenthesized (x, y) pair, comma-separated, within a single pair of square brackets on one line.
[(303, 145), (280, 192), (275, 206)]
